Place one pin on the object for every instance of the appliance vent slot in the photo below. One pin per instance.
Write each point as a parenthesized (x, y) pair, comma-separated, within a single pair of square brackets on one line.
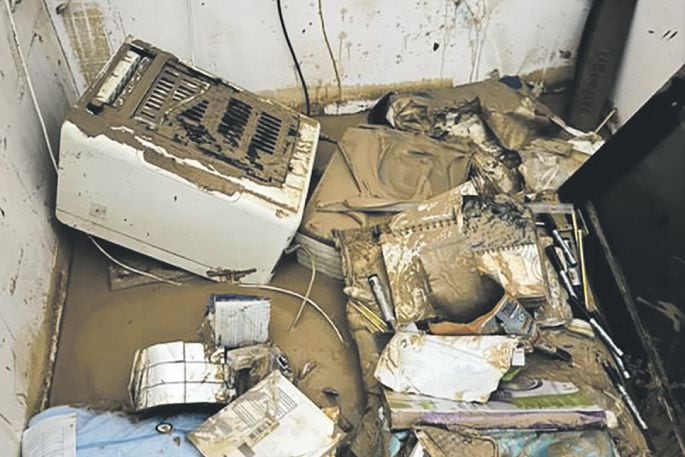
[(192, 120), (171, 89), (266, 135), (234, 121), (159, 95), (186, 90), (212, 122), (196, 113)]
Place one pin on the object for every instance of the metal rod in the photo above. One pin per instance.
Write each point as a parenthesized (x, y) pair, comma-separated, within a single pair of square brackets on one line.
[(632, 407), (559, 268), (621, 366), (370, 316), (579, 234), (583, 271), (604, 121)]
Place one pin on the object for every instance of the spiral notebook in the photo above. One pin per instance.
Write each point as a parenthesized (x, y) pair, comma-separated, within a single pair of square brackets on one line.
[(499, 233)]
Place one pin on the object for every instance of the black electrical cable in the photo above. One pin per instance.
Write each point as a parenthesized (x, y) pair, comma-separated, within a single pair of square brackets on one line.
[(294, 56)]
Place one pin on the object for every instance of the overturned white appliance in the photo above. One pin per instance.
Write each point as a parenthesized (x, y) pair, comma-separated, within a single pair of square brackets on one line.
[(191, 373), (169, 161)]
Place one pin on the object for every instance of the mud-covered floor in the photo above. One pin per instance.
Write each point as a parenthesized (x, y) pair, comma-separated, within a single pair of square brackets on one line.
[(102, 329)]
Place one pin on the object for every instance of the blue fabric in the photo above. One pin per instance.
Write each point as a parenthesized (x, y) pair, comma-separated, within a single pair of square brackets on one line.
[(107, 434), (514, 82), (396, 442)]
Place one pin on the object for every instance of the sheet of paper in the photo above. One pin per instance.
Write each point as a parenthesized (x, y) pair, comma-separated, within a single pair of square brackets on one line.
[(462, 368), (52, 437), (241, 321), (273, 419)]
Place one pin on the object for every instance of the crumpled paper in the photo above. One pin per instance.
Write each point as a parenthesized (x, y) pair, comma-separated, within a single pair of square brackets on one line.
[(514, 116), (518, 269), (504, 241), (547, 163), (460, 368), (489, 171), (456, 284), (547, 150)]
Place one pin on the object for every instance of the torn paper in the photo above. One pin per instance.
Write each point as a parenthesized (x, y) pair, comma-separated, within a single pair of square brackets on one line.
[(409, 233), (504, 240), (452, 256), (456, 285), (514, 116)]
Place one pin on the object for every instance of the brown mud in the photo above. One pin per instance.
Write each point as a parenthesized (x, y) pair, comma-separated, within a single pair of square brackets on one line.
[(102, 329)]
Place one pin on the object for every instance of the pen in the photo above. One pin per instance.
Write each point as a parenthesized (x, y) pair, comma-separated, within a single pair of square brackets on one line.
[(563, 275), (603, 335), (558, 240), (382, 300)]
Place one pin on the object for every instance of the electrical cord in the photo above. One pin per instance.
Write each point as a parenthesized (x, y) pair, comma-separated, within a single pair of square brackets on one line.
[(326, 139), (301, 297), (130, 268), (309, 287), (53, 159), (330, 52), (294, 56), (51, 152), (29, 83)]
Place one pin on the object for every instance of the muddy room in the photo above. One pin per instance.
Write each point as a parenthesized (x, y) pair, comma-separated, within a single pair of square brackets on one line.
[(342, 228)]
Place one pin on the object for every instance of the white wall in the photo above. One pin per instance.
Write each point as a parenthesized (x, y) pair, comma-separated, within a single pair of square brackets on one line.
[(654, 52), (28, 241), (376, 44)]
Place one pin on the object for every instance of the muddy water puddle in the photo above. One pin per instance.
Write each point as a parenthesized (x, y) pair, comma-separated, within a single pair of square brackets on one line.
[(102, 329)]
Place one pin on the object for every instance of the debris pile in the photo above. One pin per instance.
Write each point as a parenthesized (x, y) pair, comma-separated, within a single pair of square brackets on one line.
[(232, 394), (463, 274)]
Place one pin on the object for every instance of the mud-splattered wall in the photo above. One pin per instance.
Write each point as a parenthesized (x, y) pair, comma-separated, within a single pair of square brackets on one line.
[(654, 52), (29, 242), (349, 49)]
